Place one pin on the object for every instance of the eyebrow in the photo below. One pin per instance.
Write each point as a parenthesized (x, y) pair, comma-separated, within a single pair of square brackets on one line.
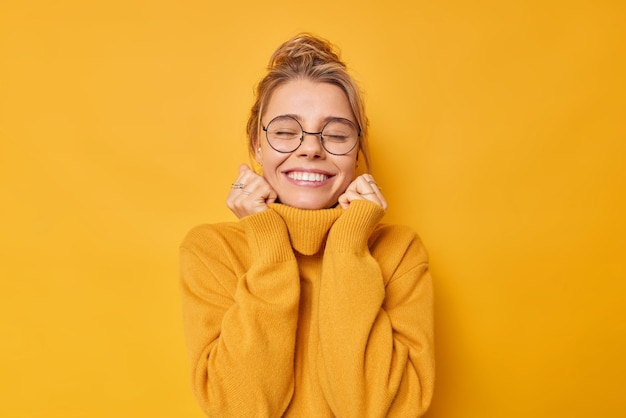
[(324, 121)]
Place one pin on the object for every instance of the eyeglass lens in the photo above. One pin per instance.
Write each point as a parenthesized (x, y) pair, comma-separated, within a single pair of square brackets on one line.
[(285, 134)]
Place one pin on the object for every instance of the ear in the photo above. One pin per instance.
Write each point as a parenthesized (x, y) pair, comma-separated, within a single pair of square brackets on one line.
[(258, 155), (358, 170)]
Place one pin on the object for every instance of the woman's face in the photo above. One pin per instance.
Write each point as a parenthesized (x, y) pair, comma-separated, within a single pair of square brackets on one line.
[(327, 175)]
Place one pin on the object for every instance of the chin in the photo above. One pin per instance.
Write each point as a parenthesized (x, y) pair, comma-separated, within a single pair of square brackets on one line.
[(306, 202)]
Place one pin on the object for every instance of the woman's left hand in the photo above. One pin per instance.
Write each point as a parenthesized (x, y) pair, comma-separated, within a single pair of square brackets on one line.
[(363, 188)]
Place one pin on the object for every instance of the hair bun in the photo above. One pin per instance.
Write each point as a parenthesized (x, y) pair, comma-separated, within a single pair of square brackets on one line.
[(305, 48)]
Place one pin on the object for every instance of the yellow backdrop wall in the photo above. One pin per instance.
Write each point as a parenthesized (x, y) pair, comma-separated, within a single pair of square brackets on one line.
[(498, 133)]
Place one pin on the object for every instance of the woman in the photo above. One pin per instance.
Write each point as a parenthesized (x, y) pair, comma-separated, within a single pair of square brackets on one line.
[(307, 306)]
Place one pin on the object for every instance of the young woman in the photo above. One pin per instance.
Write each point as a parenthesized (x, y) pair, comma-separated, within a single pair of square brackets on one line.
[(308, 306)]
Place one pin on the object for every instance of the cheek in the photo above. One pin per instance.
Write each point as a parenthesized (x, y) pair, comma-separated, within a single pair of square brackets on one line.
[(348, 173), (271, 164), (348, 168)]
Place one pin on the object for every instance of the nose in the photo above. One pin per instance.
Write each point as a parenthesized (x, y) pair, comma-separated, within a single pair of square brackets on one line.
[(311, 145)]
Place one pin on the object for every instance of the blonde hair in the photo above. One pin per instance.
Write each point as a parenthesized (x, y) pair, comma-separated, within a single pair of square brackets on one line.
[(310, 57)]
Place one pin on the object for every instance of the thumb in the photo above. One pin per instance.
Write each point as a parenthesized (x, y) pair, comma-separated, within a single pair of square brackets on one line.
[(243, 168), (272, 197), (344, 202)]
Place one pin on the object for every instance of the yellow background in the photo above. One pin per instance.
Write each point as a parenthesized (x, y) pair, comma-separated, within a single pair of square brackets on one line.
[(498, 133)]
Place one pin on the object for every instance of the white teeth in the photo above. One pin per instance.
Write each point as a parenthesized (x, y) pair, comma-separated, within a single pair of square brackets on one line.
[(297, 175)]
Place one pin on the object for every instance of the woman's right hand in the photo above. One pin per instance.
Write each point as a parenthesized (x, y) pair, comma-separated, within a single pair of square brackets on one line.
[(250, 193)]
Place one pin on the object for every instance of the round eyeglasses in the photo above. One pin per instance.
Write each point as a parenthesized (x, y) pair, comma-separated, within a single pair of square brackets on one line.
[(338, 137)]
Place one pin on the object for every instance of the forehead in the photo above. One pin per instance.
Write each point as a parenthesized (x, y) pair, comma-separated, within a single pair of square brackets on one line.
[(309, 100)]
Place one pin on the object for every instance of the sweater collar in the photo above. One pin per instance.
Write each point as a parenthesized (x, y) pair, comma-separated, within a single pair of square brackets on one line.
[(308, 229)]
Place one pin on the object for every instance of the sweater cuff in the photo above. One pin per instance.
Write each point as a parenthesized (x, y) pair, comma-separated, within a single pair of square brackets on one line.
[(268, 238), (353, 228)]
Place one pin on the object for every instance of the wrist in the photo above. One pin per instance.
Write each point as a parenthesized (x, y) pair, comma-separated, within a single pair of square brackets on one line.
[(267, 236), (353, 228)]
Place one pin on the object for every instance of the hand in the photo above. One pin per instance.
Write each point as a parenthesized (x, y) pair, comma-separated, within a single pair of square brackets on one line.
[(250, 193), (363, 188)]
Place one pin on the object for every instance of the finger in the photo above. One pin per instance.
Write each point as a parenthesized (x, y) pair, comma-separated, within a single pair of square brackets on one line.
[(250, 193), (353, 192), (245, 179), (344, 201), (350, 196), (363, 188), (375, 189), (371, 183), (345, 198), (244, 168), (272, 196), (243, 171)]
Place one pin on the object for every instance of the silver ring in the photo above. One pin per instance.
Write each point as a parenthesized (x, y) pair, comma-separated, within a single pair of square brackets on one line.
[(238, 186), (374, 183)]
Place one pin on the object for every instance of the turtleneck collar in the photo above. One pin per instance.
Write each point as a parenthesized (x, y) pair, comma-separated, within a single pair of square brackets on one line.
[(308, 228)]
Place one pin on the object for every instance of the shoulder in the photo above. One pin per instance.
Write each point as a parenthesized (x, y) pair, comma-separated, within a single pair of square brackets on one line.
[(399, 236), (212, 257), (217, 238), (397, 248)]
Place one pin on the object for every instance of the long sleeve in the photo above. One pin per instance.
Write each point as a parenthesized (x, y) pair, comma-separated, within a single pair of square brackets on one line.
[(375, 319), (240, 318)]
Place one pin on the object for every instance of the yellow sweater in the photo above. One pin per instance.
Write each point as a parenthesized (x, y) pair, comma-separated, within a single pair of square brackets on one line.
[(308, 313)]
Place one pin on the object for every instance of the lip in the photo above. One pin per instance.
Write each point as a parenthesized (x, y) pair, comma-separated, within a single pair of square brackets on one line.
[(308, 171)]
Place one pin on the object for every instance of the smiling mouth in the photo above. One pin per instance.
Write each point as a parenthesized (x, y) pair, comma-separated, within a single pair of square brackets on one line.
[(304, 176)]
